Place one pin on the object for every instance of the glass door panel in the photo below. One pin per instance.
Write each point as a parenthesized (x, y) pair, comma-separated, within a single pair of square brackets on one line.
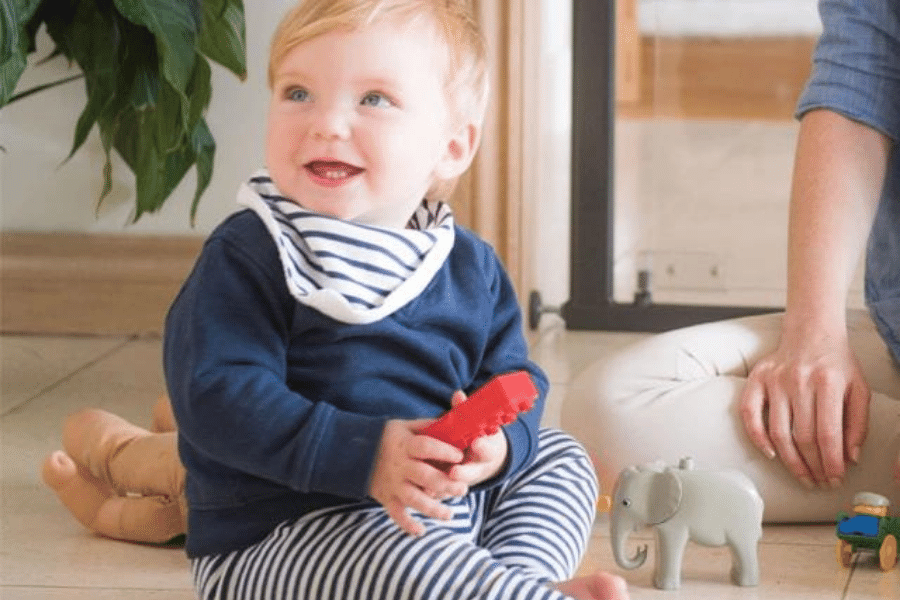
[(703, 147)]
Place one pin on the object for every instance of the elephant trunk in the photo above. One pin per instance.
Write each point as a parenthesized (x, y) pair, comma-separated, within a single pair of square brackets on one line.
[(619, 537)]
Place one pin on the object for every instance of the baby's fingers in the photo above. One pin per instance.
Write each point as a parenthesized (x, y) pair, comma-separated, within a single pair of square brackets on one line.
[(397, 512), (435, 482), (427, 448), (416, 499)]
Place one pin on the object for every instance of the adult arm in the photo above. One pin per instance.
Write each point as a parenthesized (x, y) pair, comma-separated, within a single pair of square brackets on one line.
[(811, 388)]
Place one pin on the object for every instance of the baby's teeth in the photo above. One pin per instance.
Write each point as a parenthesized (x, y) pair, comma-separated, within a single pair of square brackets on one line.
[(335, 174)]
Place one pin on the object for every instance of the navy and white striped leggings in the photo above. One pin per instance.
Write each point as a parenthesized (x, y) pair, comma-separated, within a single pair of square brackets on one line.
[(507, 542)]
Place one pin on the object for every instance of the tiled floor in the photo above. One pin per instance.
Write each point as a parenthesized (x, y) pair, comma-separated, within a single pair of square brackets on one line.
[(46, 555)]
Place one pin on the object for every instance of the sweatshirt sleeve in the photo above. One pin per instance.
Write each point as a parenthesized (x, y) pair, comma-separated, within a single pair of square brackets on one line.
[(507, 351), (225, 359)]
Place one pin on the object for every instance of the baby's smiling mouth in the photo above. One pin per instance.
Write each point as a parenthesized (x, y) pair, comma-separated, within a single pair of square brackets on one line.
[(332, 170)]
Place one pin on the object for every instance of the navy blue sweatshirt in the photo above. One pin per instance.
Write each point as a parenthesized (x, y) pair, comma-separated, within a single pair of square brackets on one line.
[(280, 408)]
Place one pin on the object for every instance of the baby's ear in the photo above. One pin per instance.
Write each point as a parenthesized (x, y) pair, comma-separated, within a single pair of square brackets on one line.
[(460, 150)]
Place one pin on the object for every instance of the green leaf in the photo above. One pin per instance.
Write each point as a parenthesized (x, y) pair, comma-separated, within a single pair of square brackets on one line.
[(11, 70), (144, 90), (204, 152), (153, 143), (167, 127), (199, 92), (14, 14), (106, 139), (158, 177), (92, 38), (58, 16), (9, 27), (176, 25), (147, 78), (223, 36), (124, 134)]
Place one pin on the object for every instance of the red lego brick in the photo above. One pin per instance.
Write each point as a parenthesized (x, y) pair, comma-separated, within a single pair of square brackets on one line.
[(494, 404)]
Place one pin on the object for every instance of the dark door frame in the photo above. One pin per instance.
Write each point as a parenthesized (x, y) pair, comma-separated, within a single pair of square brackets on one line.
[(591, 305)]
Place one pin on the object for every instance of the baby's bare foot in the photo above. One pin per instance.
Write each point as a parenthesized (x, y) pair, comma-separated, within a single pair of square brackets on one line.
[(58, 470), (79, 491), (163, 418), (598, 586)]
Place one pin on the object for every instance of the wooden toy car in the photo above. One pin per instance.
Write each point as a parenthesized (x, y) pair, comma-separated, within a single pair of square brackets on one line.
[(870, 529)]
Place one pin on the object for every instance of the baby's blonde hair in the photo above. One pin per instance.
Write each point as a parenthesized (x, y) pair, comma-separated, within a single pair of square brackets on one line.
[(466, 79)]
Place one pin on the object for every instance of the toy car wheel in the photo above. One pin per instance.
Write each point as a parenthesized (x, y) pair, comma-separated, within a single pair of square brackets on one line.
[(844, 553), (887, 556)]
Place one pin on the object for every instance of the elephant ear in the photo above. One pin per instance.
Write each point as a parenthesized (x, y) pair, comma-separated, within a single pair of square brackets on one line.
[(665, 497)]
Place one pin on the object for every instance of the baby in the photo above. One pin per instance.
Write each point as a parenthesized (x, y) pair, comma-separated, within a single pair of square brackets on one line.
[(325, 326)]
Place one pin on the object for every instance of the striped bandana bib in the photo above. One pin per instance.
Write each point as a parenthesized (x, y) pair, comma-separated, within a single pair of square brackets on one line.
[(351, 272)]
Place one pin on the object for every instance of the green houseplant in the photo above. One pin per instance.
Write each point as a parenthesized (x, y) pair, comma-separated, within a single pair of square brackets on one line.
[(147, 75)]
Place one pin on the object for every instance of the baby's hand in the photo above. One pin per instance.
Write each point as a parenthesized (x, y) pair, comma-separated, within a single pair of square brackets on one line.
[(483, 459), (405, 475)]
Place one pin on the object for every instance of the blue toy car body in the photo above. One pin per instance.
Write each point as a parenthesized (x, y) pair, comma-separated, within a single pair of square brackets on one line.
[(868, 532)]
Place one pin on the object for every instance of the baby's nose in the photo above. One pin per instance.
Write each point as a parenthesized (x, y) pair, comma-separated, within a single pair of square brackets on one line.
[(332, 122)]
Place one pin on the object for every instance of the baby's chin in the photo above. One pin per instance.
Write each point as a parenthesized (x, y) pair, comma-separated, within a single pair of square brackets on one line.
[(394, 217)]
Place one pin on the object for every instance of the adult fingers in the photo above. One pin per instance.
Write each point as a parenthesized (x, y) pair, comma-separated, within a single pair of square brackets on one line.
[(830, 432), (897, 470), (752, 402), (780, 430), (857, 418), (798, 389), (803, 430)]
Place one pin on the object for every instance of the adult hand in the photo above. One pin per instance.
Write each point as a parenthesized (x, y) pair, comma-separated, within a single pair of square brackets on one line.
[(405, 475), (897, 470), (808, 403)]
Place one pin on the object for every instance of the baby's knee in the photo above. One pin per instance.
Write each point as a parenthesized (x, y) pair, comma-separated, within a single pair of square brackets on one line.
[(560, 454), (561, 445)]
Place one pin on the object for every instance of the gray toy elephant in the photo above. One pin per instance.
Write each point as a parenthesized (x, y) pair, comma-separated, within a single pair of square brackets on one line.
[(712, 508)]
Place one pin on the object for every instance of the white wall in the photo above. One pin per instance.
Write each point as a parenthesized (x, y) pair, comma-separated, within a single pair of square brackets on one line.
[(548, 128), (37, 194)]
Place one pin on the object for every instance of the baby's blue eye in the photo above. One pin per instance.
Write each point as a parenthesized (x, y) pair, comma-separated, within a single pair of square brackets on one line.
[(297, 95), (376, 99)]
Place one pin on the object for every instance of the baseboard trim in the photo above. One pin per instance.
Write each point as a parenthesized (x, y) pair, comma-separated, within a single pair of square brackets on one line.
[(90, 284)]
